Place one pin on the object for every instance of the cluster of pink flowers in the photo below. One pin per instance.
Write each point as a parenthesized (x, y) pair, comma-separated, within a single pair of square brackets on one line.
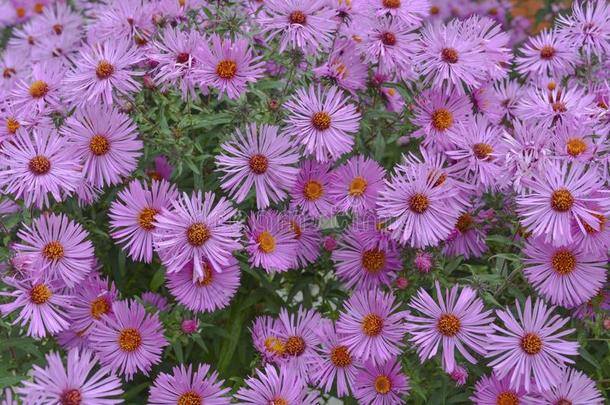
[(501, 126)]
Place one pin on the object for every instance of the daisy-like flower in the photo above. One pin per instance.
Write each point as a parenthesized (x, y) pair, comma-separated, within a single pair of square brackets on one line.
[(371, 326), (547, 107), (467, 239), (132, 216), (102, 72), (323, 120), (530, 350), (558, 195), (259, 157), (74, 383), (490, 390), (508, 92), (299, 334), (41, 305), (587, 26), (162, 170), (439, 115), (356, 185), (273, 386), (345, 66), (106, 140), (409, 12), (420, 206), (597, 239), (131, 19), (493, 40), (311, 192), (487, 104), (228, 66), (196, 230), (565, 275), (129, 340), (207, 293), (301, 24), (13, 67), (266, 338), (547, 54), (271, 242), (58, 248), (38, 165), (457, 320), (574, 388), (363, 265), (91, 299), (43, 89), (574, 142), (336, 363), (187, 386), (308, 237), (448, 59), (155, 300), (381, 384)]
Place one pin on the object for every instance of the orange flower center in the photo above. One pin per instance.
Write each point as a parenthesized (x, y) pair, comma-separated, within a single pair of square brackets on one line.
[(8, 72), (275, 345), (372, 325), (130, 340), (448, 325), (601, 220), (146, 218), (104, 70), (190, 398), (507, 398), (259, 164), (321, 120), (197, 234), (391, 3), (40, 294), (388, 38), (313, 190), (20, 11), (449, 55), (559, 107), (383, 385), (358, 186), (563, 262), (297, 17), (12, 125), (266, 242), (226, 69), (295, 346), (99, 307), (442, 119), (340, 356), (58, 29), (207, 276), (419, 203), (278, 401), (373, 260), (576, 146), (482, 150), (464, 222), (296, 229), (99, 145), (39, 89), (39, 165), (434, 10), (531, 343), (38, 8), (53, 250), (562, 200)]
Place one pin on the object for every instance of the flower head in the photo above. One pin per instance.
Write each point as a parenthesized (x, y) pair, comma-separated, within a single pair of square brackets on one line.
[(188, 386), (356, 185), (490, 390), (271, 243), (311, 192), (381, 384)]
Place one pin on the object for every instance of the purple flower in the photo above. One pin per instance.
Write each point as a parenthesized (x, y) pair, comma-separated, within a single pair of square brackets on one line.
[(565, 275), (228, 66), (90, 300), (571, 105), (127, 19), (588, 26), (106, 140), (132, 216), (196, 230), (209, 292), (189, 326), (547, 54), (307, 234), (409, 12), (490, 390), (345, 66), (260, 157), (43, 89), (356, 185), (493, 40), (466, 239), (129, 340), (322, 120), (266, 338), (381, 384), (73, 383), (155, 300), (371, 326), (162, 171), (457, 321), (459, 375), (530, 348), (273, 386), (271, 243), (508, 92), (574, 142), (574, 388), (311, 192), (187, 386)]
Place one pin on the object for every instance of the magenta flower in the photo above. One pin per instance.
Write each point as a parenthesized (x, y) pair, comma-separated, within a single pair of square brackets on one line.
[(196, 230), (322, 120), (588, 26), (574, 142), (345, 66), (467, 238), (531, 348), (371, 326), (271, 243), (311, 192), (205, 293), (459, 375), (155, 300), (58, 248), (490, 390), (187, 386), (91, 299), (42, 305), (574, 388), (106, 140), (43, 89), (38, 165), (570, 105), (381, 384), (488, 33), (127, 19), (455, 321), (508, 92), (129, 340), (260, 157), (356, 185), (189, 326), (362, 265), (13, 66), (565, 275), (266, 338), (547, 54), (409, 12), (273, 386), (307, 234), (102, 72), (132, 216), (593, 240), (71, 384), (162, 171), (228, 66)]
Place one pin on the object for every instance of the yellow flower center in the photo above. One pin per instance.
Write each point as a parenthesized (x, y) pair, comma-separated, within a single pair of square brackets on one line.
[(266, 242), (531, 343), (53, 250), (449, 325), (104, 70), (358, 186), (562, 200), (372, 325), (482, 150), (295, 346), (12, 125), (507, 398), (130, 340), (99, 145), (146, 218), (40, 294), (383, 385), (576, 146), (278, 401), (226, 69), (321, 120), (258, 164), (190, 398), (39, 89), (373, 260), (207, 277), (340, 356), (275, 345), (39, 165), (99, 307), (442, 119), (313, 190), (197, 234), (563, 262), (419, 203)]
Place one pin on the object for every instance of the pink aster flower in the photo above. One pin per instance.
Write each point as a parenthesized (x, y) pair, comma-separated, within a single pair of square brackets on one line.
[(195, 229), (557, 196), (271, 243), (322, 120), (345, 66), (467, 238), (490, 390), (565, 275), (129, 340), (205, 293), (38, 165), (41, 304), (102, 72), (487, 104), (362, 265), (189, 326), (508, 92), (58, 248), (13, 66), (381, 384), (73, 383), (574, 388), (574, 142), (494, 42), (439, 115), (356, 185), (459, 375), (155, 300), (307, 234), (588, 26), (106, 140), (91, 299), (273, 386), (43, 89), (129, 19), (7, 398), (457, 321), (569, 105), (409, 12), (530, 349), (301, 24), (336, 363), (228, 66), (187, 386), (547, 54), (371, 326), (266, 338), (259, 157), (593, 240), (132, 216), (162, 171), (311, 192)]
